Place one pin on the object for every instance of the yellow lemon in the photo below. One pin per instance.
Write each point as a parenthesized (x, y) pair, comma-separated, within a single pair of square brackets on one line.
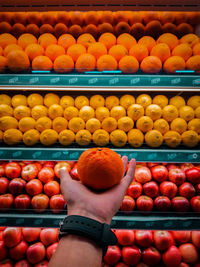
[(170, 113), (144, 124), (153, 138), (92, 125), (66, 101), (76, 124), (194, 101), (8, 122), (26, 123), (194, 125), (21, 112), (19, 100), (125, 124), (177, 101), (160, 100), (118, 138), (39, 111), (112, 101), (66, 137), (135, 138), (101, 113), (70, 112), (50, 99), (1, 136), (59, 124), (86, 113), (5, 110), (31, 137), (109, 124), (100, 137), (83, 137), (197, 112), (126, 101), (5, 99), (55, 111), (161, 125), (172, 139), (154, 112), (34, 100), (43, 123), (135, 111), (186, 113), (144, 100), (190, 138), (81, 101), (12, 136), (48, 137), (97, 101), (117, 112), (179, 125)]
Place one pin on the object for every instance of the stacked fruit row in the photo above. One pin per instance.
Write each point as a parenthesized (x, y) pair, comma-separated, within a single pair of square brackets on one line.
[(96, 23), (106, 53), (160, 187), (101, 120)]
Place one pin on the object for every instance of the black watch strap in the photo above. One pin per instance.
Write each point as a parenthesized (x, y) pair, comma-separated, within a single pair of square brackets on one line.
[(100, 233)]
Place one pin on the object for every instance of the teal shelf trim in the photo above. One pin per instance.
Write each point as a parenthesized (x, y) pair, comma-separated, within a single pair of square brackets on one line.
[(60, 154), (99, 80), (152, 221)]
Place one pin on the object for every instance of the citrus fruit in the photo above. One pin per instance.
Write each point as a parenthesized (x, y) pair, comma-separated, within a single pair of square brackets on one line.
[(86, 113), (10, 48), (153, 111), (12, 136), (59, 124), (101, 113), (117, 112), (63, 64), (6, 39), (66, 137), (177, 101), (144, 124), (34, 99), (8, 122), (147, 41), (179, 125), (48, 137), (191, 39), (39, 111), (193, 63), (144, 100), (190, 138), (170, 39), (18, 61), (194, 125), (97, 49), (125, 124), (106, 63), (118, 51), (66, 101), (160, 100), (85, 62), (172, 139), (186, 112), (109, 124), (128, 64), (70, 112), (135, 138), (182, 50), (151, 64), (108, 39), (66, 40), (31, 137), (42, 63), (126, 40), (85, 39), (76, 50), (83, 137), (97, 101), (197, 112), (100, 137), (5, 110), (194, 101), (5, 99), (170, 113), (139, 51), (162, 51), (174, 63), (111, 101), (118, 138), (153, 138), (53, 51), (126, 100), (135, 111), (26, 39), (76, 124), (81, 101), (34, 50), (43, 123), (92, 125), (19, 100), (161, 125)]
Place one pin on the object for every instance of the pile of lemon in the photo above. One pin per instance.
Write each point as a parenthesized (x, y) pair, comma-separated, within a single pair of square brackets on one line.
[(118, 120)]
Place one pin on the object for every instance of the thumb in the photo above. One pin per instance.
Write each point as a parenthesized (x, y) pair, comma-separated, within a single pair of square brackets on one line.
[(126, 181), (65, 178)]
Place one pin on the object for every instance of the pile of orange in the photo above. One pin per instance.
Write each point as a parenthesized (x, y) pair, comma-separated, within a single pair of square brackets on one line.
[(129, 119), (107, 53)]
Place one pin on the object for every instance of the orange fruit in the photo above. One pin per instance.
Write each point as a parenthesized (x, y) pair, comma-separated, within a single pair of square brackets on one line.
[(63, 64), (1, 51), (6, 16), (12, 137), (126, 101), (107, 16), (59, 29), (153, 111), (149, 16), (105, 27), (193, 18), (118, 51), (160, 100), (197, 112), (172, 139), (53, 51), (34, 100), (34, 17), (48, 137), (137, 30), (134, 17), (147, 41), (18, 100), (190, 138), (31, 137), (121, 16), (66, 40), (8, 122), (10, 48), (83, 137), (85, 62), (38, 111), (135, 111), (100, 137), (3, 63), (111, 101), (151, 64), (26, 124), (161, 51), (86, 113), (194, 101), (182, 50), (179, 125), (97, 101), (20, 17), (81, 101), (194, 125), (118, 138), (183, 29), (91, 17), (139, 52), (186, 112), (169, 28), (18, 61), (128, 64), (166, 17), (125, 124), (122, 27), (66, 137), (62, 16), (91, 29), (106, 62), (26, 39), (76, 50), (177, 101), (55, 111), (42, 63), (92, 125), (66, 101), (135, 138), (196, 49), (48, 17), (18, 29), (117, 112), (47, 39), (5, 27), (96, 168), (76, 17), (43, 123), (5, 99), (34, 50), (76, 124), (6, 39), (170, 113), (144, 124), (170, 39), (22, 111), (33, 29), (180, 17), (108, 39), (126, 40), (51, 99), (193, 63), (85, 39), (97, 49), (161, 125), (59, 124), (191, 39), (70, 112), (153, 29), (153, 138), (109, 124), (174, 63), (5, 110), (75, 30), (46, 28), (101, 113)]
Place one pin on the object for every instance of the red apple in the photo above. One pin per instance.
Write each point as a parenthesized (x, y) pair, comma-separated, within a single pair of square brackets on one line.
[(31, 234), (43, 263), (151, 189), (46, 174), (3, 185), (22, 263), (12, 236), (182, 236), (34, 187), (186, 166), (193, 175), (196, 238), (197, 187), (12, 170), (168, 189), (40, 202), (61, 165), (3, 251), (171, 166), (6, 263), (152, 164), (172, 257), (113, 255), (131, 255), (50, 164), (74, 173), (177, 176), (35, 253), (121, 264), (38, 165), (1, 235), (142, 175), (134, 190), (144, 238), (51, 249), (128, 204), (52, 188), (187, 190), (57, 203), (125, 237), (159, 173), (142, 265), (197, 264), (163, 240), (6, 201), (49, 236), (16, 186), (183, 264), (22, 202), (195, 203), (189, 253), (151, 256), (29, 172), (180, 204), (2, 170), (162, 203), (18, 252), (144, 203)]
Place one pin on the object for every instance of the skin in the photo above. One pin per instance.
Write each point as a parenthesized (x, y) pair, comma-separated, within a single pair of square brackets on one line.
[(101, 206)]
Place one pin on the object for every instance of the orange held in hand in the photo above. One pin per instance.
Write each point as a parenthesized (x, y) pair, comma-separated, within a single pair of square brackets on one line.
[(100, 168)]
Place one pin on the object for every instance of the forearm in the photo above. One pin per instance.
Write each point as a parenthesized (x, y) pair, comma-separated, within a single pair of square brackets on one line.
[(76, 251)]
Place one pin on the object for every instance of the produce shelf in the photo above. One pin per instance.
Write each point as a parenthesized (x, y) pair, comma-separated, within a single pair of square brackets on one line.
[(100, 82), (140, 154)]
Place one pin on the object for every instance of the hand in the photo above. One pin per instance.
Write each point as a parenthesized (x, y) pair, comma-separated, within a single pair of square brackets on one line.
[(100, 206)]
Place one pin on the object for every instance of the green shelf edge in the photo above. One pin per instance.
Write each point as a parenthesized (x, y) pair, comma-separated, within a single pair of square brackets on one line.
[(100, 80), (60, 154)]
